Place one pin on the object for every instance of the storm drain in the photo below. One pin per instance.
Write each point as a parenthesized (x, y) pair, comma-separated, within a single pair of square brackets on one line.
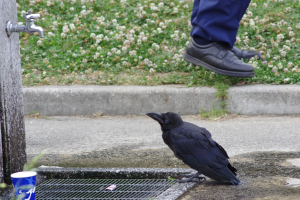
[(101, 188)]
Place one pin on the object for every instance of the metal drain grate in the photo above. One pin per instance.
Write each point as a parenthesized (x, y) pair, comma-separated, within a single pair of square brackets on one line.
[(95, 189)]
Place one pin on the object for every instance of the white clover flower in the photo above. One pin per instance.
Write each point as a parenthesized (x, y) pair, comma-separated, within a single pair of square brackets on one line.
[(93, 35), (62, 5), (74, 55), (156, 46), (253, 5), (298, 25), (99, 48), (291, 34), (124, 49), (72, 27), (286, 80), (122, 28), (83, 13), (98, 54), (132, 53), (185, 6), (99, 38), (82, 51), (46, 61), (280, 36), (161, 24), (72, 9), (152, 70), (66, 28), (252, 23), (114, 50), (55, 23), (84, 60), (39, 42), (50, 34), (114, 21), (249, 13), (159, 30), (161, 4), (106, 38), (175, 10), (287, 47), (272, 25), (23, 12), (144, 39), (283, 53), (290, 64), (132, 31), (274, 69), (63, 35), (109, 53), (118, 52), (265, 5), (126, 42)]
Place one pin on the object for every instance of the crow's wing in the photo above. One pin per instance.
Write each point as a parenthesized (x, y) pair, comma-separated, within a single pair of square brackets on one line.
[(197, 149)]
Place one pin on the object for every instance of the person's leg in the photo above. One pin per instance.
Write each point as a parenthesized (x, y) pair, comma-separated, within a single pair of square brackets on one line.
[(217, 20), (215, 25), (209, 20)]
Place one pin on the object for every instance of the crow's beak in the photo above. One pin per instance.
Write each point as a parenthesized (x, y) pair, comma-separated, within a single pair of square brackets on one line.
[(156, 116)]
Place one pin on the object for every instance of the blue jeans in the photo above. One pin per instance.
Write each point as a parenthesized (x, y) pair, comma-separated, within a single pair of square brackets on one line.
[(218, 20)]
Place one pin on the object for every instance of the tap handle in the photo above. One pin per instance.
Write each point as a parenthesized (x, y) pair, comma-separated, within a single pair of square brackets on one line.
[(28, 16)]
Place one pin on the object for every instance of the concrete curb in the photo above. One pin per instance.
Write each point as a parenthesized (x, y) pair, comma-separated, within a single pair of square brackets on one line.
[(138, 100)]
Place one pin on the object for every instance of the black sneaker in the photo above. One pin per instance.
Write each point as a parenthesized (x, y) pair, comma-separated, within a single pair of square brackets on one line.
[(218, 58)]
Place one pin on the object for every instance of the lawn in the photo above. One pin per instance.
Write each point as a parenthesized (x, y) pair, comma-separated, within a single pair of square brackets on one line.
[(130, 42)]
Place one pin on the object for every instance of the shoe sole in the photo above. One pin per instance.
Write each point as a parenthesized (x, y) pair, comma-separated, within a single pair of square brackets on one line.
[(198, 62)]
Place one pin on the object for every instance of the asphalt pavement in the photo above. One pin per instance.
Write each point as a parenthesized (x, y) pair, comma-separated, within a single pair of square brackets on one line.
[(135, 141)]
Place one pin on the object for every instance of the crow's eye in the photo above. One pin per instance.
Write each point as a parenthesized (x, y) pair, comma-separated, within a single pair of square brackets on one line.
[(166, 121)]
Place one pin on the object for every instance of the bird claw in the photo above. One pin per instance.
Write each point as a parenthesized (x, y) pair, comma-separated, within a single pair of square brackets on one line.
[(198, 178)]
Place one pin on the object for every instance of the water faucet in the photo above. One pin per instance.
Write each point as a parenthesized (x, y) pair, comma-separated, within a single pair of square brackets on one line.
[(30, 27)]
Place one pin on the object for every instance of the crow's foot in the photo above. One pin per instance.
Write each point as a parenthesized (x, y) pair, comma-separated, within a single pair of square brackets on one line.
[(192, 178)]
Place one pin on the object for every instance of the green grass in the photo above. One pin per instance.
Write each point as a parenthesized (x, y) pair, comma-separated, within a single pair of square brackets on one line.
[(214, 113), (133, 42)]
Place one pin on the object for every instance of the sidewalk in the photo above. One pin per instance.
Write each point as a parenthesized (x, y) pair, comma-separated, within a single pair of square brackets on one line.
[(138, 100)]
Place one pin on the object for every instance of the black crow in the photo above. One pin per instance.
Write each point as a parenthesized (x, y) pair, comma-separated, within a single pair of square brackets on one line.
[(195, 147)]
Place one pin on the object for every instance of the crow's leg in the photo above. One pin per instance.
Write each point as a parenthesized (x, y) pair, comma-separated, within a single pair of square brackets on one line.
[(191, 178)]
